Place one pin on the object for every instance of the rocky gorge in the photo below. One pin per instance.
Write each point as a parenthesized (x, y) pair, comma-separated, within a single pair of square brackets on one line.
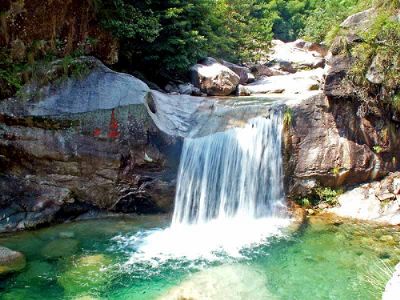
[(81, 141), (108, 142)]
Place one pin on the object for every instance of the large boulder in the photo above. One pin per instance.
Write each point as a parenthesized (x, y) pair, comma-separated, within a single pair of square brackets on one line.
[(82, 143), (11, 261), (213, 78), (60, 248), (360, 19)]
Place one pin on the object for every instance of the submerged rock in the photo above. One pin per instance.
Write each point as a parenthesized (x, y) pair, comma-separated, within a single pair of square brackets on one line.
[(225, 282), (11, 261), (86, 273), (60, 248), (37, 272)]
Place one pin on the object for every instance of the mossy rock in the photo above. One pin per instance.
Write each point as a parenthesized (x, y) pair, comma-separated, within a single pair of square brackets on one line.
[(86, 273), (60, 248), (11, 261)]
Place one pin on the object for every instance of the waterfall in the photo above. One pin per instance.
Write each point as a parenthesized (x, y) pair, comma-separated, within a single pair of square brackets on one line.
[(236, 173), (229, 196)]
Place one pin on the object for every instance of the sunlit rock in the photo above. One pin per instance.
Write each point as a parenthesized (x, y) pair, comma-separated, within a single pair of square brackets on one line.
[(213, 78), (299, 58), (360, 19), (371, 202)]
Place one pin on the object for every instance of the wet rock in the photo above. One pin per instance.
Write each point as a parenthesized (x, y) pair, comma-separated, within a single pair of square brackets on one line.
[(213, 78), (182, 88), (66, 234), (218, 283), (60, 248), (310, 212), (294, 84), (37, 272), (386, 238), (11, 261), (386, 197)]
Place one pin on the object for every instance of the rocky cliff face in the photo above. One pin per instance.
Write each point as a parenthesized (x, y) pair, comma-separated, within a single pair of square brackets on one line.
[(332, 143), (85, 144), (329, 145)]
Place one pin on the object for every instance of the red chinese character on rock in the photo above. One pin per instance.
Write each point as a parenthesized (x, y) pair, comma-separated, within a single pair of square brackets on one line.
[(113, 132), (96, 132)]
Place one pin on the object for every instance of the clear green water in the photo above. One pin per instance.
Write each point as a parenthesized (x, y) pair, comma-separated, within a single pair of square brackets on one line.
[(84, 261)]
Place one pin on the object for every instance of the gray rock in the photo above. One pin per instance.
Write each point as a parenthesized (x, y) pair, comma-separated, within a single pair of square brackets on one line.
[(102, 89), (362, 203), (81, 146), (376, 72), (263, 70), (243, 72), (213, 78), (11, 261), (359, 19), (386, 197)]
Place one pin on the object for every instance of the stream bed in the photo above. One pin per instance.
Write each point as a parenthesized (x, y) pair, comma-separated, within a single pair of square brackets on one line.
[(95, 259)]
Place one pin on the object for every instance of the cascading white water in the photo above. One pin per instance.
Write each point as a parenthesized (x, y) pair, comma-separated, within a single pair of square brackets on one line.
[(229, 196), (237, 173)]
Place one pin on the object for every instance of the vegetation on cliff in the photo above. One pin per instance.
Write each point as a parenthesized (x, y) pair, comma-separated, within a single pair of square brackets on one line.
[(169, 36)]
